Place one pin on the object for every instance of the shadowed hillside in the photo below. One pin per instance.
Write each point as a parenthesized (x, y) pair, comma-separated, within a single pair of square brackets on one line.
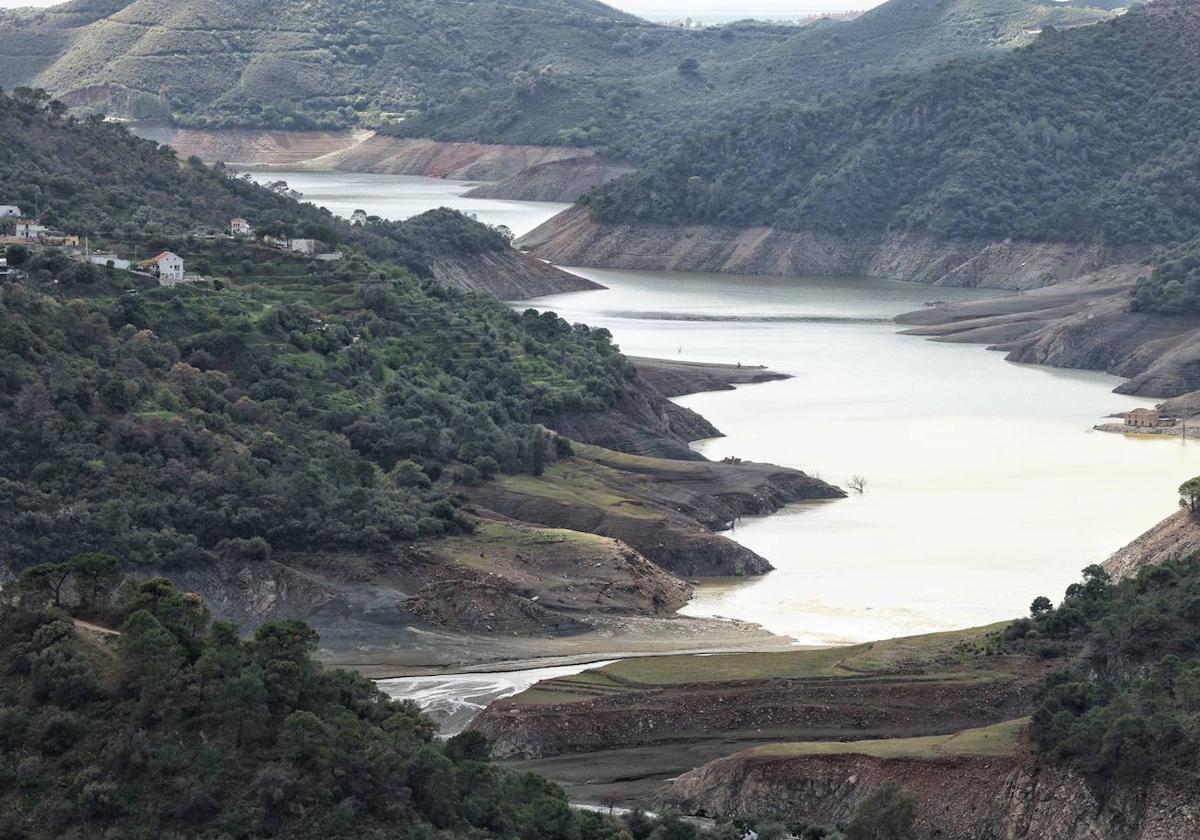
[(571, 72), (1084, 135)]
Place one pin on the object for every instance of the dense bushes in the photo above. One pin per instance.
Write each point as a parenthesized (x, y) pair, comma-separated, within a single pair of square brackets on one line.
[(179, 728), (1129, 705), (1174, 286), (156, 424), (1088, 133), (306, 405)]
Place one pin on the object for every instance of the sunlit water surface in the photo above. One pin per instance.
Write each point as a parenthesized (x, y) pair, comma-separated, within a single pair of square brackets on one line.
[(985, 485), (397, 197)]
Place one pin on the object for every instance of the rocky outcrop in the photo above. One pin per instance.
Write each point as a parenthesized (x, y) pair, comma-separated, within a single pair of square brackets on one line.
[(250, 146), (1085, 323), (507, 577), (675, 378), (386, 155), (556, 180), (366, 151), (748, 711), (958, 796), (668, 510), (1176, 537), (507, 275), (573, 237)]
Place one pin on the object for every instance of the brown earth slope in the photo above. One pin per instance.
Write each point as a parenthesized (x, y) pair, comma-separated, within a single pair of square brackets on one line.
[(979, 783), (666, 509), (919, 685), (573, 237), (1085, 323)]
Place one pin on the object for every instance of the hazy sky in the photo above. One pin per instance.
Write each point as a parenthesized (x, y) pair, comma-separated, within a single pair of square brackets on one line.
[(701, 9)]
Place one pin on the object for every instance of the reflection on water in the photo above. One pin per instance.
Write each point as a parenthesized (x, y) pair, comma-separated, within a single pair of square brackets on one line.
[(985, 485), (401, 196), (453, 700)]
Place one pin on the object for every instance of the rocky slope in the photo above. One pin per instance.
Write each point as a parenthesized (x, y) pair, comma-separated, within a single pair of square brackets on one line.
[(979, 790), (1176, 536), (1085, 323), (573, 237), (555, 180), (898, 688), (508, 578), (675, 378), (523, 172), (507, 274), (667, 509)]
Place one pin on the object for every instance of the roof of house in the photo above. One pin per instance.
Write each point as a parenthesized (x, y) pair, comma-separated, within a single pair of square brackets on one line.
[(164, 255), (1144, 411)]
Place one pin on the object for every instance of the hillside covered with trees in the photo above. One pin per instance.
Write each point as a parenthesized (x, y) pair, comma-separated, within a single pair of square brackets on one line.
[(290, 404), (571, 72), (1086, 134)]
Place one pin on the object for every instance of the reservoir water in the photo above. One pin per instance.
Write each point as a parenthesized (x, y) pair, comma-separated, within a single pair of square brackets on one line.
[(398, 197), (985, 486)]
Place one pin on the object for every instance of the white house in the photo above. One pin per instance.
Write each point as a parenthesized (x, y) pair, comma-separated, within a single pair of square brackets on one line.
[(3, 268), (303, 246), (168, 267), (30, 230), (105, 259), (10, 211), (240, 227)]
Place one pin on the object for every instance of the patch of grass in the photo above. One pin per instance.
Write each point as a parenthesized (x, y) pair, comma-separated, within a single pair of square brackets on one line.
[(951, 656), (575, 484), (1000, 739)]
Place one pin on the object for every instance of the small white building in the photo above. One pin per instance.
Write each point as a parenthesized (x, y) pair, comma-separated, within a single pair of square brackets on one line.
[(303, 246), (10, 211), (106, 259), (3, 269), (30, 230), (168, 268), (240, 227)]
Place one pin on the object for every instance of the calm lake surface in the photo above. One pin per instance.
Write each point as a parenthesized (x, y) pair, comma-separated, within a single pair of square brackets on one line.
[(985, 486), (401, 196)]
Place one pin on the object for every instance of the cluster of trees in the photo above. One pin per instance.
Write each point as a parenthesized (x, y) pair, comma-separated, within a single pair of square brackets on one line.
[(1087, 133), (171, 431), (1173, 288), (1128, 707), (177, 727), (296, 406), (95, 179)]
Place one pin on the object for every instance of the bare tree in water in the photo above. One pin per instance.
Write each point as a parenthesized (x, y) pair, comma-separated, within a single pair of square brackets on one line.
[(857, 483)]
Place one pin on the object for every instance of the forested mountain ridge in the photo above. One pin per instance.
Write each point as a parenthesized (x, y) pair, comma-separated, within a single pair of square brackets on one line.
[(333, 64), (570, 72), (1084, 134)]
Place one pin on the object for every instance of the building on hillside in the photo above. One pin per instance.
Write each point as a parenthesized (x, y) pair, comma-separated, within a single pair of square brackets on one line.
[(1147, 418), (31, 231), (332, 256), (277, 241), (57, 237), (168, 268), (10, 211), (303, 246), (4, 273), (240, 227), (110, 259)]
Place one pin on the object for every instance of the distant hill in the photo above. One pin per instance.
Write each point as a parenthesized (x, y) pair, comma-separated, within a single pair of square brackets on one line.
[(1086, 135), (542, 71)]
